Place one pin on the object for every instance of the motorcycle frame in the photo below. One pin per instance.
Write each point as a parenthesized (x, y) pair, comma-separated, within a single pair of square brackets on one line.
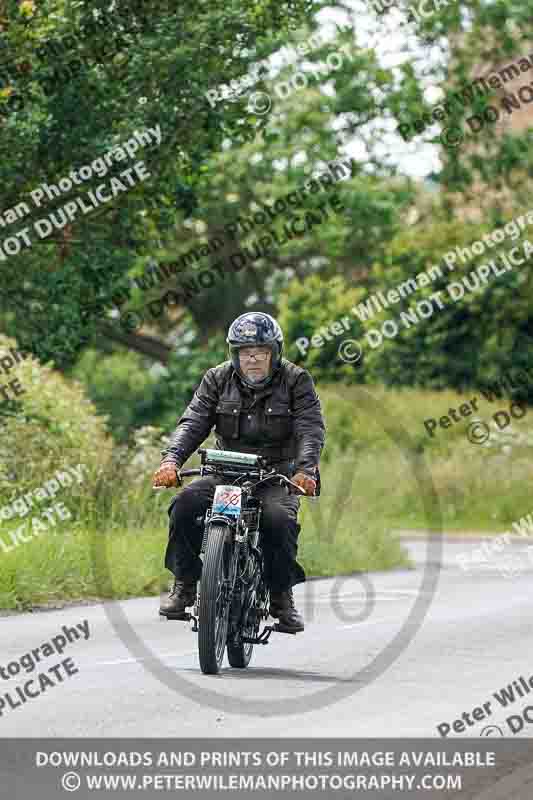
[(253, 477), (242, 535)]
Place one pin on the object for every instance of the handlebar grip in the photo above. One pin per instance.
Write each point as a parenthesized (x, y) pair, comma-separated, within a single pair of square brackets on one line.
[(298, 490), (294, 486), (182, 474)]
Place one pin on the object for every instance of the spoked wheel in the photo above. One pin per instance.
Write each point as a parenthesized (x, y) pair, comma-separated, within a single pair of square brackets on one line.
[(239, 655), (215, 594), (239, 652)]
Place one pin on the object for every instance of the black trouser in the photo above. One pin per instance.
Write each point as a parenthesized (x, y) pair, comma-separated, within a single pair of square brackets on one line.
[(278, 525)]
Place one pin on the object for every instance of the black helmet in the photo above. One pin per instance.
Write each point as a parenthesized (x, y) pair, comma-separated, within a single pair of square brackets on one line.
[(255, 329)]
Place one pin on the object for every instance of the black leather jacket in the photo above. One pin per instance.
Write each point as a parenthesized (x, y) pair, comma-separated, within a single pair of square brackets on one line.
[(282, 422)]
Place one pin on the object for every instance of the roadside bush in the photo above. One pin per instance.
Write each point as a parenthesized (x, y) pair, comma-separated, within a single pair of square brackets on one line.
[(122, 386), (50, 426)]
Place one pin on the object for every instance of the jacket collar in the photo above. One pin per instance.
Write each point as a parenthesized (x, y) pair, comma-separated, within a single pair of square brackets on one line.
[(256, 394)]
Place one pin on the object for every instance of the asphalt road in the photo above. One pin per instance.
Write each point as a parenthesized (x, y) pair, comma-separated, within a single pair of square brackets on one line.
[(474, 639)]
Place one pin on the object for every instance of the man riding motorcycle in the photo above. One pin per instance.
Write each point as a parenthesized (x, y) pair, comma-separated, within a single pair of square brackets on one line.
[(260, 403)]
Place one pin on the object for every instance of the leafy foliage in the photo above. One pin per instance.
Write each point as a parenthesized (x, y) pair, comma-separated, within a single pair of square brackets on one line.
[(51, 425), (307, 310), (132, 392), (218, 163), (163, 63)]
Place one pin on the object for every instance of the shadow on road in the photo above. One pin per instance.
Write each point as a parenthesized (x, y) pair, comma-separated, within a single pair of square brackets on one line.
[(263, 673)]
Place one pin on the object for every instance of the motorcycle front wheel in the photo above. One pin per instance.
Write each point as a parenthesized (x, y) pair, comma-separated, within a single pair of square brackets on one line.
[(215, 595)]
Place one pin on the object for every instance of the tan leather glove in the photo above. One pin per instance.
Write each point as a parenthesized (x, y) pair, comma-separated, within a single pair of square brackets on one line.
[(167, 475), (305, 482)]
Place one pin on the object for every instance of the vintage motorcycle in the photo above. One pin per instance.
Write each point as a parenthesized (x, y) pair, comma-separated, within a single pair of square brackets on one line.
[(232, 598)]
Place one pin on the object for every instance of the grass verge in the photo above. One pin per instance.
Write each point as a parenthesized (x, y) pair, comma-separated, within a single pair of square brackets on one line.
[(372, 483)]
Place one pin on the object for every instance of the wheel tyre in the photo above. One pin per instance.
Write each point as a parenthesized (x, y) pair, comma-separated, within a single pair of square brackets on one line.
[(240, 654), (213, 629)]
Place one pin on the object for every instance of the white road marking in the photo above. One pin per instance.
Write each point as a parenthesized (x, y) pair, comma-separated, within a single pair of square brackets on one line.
[(377, 593), (139, 660)]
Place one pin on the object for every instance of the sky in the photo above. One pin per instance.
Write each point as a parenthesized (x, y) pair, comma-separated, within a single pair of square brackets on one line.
[(394, 42)]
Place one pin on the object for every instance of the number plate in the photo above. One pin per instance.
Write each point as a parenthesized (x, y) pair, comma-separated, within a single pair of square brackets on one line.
[(227, 500)]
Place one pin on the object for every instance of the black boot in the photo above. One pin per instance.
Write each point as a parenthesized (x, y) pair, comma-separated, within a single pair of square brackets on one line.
[(282, 607), (183, 594)]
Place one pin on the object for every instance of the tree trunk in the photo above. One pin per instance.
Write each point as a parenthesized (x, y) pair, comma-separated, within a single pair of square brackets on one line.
[(145, 345)]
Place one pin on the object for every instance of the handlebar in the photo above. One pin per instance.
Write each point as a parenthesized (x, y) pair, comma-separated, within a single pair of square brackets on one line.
[(186, 473)]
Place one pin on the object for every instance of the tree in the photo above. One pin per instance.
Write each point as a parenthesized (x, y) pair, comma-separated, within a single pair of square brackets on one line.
[(156, 71)]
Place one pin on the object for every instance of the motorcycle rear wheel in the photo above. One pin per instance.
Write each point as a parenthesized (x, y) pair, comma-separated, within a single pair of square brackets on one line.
[(239, 652)]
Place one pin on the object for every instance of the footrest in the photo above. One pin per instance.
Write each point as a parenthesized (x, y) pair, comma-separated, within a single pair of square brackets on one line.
[(261, 639), (183, 618)]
